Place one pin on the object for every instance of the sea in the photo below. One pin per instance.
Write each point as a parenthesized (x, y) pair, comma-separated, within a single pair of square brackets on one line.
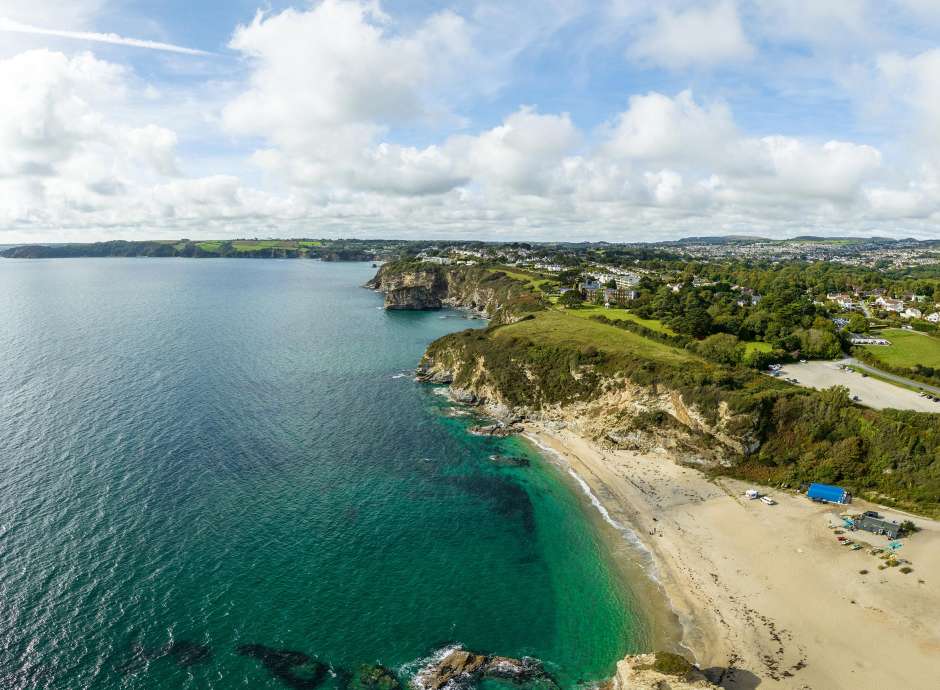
[(220, 473)]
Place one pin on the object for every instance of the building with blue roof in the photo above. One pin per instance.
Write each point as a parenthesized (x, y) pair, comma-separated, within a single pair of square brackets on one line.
[(828, 493)]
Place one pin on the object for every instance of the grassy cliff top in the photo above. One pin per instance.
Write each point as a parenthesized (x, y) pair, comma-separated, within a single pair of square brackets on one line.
[(559, 356)]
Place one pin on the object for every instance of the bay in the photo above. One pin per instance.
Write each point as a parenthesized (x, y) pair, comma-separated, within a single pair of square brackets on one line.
[(199, 455)]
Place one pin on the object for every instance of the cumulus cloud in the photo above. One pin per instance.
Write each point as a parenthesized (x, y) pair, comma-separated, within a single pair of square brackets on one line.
[(69, 159), (694, 37), (351, 121), (325, 82)]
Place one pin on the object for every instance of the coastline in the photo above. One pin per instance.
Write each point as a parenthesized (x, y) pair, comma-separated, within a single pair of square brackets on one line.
[(764, 594)]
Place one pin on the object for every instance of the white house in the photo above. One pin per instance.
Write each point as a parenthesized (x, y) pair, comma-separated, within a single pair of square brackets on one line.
[(934, 318), (889, 304), (911, 313)]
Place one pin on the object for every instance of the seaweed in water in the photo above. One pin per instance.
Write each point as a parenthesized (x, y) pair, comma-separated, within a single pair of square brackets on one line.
[(184, 652), (187, 653), (508, 499), (294, 669), (374, 677)]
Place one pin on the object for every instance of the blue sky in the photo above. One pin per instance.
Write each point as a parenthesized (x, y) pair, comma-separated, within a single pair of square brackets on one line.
[(560, 119)]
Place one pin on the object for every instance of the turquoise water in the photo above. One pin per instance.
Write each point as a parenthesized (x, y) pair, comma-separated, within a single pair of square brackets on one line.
[(197, 455)]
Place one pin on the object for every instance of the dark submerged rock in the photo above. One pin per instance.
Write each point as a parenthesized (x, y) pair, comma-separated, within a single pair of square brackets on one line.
[(187, 653), (374, 677), (294, 669), (510, 460)]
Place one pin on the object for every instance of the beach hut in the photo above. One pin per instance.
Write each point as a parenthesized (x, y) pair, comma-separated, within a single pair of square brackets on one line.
[(826, 493)]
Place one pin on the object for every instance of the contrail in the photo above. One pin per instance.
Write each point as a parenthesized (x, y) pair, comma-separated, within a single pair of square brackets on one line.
[(10, 25)]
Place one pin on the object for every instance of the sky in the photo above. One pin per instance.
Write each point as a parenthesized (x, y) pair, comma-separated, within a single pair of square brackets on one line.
[(617, 120)]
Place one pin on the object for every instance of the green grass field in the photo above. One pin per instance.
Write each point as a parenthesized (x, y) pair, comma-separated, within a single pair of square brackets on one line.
[(907, 349), (757, 346), (615, 314), (534, 280), (556, 327), (213, 246), (255, 245)]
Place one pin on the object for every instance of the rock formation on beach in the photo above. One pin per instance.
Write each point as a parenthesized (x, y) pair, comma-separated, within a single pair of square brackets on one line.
[(659, 671)]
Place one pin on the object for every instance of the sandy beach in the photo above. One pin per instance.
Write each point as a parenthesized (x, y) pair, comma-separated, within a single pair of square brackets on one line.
[(766, 595)]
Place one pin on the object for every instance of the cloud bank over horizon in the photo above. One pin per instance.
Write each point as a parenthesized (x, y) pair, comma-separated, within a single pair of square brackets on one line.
[(559, 120)]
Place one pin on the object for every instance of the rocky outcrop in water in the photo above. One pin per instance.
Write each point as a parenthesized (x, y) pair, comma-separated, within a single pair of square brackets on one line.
[(460, 668), (498, 430)]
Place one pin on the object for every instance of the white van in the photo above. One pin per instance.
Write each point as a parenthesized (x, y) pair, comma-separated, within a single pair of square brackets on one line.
[(768, 500)]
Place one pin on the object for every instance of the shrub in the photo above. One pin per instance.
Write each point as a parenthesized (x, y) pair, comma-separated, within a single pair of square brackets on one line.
[(672, 664)]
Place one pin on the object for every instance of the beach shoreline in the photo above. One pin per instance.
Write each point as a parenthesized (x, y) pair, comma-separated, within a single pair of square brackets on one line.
[(764, 594)]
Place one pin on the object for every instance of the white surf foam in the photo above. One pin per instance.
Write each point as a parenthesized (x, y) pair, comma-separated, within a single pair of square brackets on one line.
[(628, 533), (649, 559)]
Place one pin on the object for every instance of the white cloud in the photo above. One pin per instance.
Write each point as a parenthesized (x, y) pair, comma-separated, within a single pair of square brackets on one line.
[(348, 121), (823, 24), (73, 156), (520, 155), (694, 37), (330, 78), (659, 128), (915, 82)]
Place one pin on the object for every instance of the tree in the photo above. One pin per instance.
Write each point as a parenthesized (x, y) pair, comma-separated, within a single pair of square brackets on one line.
[(569, 276), (721, 347), (858, 324), (611, 284), (571, 299)]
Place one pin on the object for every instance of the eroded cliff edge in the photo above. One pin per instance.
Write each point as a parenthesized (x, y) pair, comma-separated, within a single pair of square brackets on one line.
[(415, 285), (525, 380)]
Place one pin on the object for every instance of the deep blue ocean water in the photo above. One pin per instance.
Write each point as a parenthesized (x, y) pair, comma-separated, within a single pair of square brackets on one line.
[(198, 455)]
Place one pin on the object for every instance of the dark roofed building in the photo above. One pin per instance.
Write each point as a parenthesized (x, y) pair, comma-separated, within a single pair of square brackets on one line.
[(879, 525)]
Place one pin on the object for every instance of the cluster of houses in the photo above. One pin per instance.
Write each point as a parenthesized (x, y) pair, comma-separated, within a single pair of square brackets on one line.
[(905, 308)]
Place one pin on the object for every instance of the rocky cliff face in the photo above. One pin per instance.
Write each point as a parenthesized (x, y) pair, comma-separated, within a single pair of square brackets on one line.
[(416, 289), (612, 410), (421, 286)]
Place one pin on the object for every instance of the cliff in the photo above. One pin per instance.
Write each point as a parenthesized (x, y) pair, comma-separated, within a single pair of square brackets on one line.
[(516, 382), (415, 285)]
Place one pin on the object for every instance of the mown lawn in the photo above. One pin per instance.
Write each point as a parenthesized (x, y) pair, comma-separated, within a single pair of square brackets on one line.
[(533, 280), (757, 346), (563, 328), (615, 314), (907, 349)]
